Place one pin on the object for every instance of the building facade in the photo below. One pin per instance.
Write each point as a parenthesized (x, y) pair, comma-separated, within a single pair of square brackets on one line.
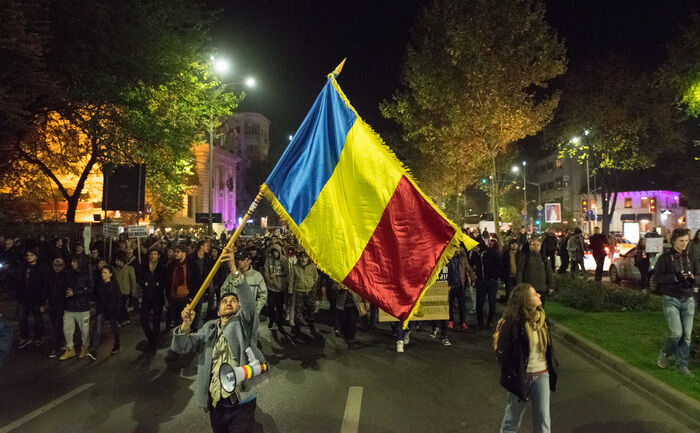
[(560, 180), (246, 135), (563, 180), (225, 174)]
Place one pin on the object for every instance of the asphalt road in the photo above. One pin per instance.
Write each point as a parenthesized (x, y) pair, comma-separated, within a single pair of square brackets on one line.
[(429, 388)]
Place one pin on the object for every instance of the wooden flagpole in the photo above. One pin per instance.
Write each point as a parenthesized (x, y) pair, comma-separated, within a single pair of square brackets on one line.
[(228, 246)]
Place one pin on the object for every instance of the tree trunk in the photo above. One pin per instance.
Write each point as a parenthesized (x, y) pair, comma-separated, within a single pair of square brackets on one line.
[(72, 208), (494, 193), (609, 196)]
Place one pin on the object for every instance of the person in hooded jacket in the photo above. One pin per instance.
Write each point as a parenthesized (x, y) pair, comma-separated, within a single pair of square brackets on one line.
[(523, 346), (58, 284), (77, 309), (303, 278), (31, 297), (107, 295), (276, 277), (230, 339), (487, 266)]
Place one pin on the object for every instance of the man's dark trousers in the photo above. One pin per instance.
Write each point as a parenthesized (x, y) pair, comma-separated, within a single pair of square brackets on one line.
[(599, 262), (227, 417), (551, 256), (151, 323), (486, 289), (457, 293)]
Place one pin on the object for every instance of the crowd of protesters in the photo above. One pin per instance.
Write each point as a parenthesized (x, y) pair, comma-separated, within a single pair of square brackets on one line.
[(89, 291)]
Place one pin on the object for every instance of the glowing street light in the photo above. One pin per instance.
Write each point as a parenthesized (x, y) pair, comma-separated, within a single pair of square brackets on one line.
[(250, 82), (221, 66), (290, 138)]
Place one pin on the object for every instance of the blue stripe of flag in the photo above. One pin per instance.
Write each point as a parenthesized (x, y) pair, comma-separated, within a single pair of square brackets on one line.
[(312, 155)]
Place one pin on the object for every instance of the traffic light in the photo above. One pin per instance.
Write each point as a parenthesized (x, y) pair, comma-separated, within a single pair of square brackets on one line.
[(537, 222), (652, 205), (584, 206), (483, 180)]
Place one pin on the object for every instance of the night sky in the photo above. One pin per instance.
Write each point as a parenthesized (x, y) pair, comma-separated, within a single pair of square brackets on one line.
[(291, 46)]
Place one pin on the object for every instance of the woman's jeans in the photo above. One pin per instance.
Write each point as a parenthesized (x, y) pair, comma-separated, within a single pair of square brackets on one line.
[(99, 329), (538, 393), (679, 316)]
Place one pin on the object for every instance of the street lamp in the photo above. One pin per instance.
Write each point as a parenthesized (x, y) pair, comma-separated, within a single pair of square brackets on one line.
[(221, 67), (516, 169)]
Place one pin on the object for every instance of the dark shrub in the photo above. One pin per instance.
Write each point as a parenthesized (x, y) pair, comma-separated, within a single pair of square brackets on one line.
[(588, 295)]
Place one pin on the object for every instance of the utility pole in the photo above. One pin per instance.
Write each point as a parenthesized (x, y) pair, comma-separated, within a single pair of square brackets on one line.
[(211, 170)]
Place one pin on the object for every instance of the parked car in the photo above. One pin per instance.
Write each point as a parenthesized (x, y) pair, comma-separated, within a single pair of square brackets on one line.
[(623, 268)]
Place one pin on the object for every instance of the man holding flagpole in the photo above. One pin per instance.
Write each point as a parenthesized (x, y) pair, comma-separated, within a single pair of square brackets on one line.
[(225, 340)]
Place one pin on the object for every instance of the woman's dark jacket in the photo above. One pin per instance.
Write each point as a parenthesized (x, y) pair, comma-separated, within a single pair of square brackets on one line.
[(513, 353), (106, 297), (81, 283)]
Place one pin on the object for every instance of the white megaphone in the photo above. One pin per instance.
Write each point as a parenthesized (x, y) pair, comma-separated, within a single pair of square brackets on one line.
[(230, 376)]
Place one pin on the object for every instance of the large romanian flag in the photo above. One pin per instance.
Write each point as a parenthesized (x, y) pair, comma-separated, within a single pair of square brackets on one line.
[(357, 211)]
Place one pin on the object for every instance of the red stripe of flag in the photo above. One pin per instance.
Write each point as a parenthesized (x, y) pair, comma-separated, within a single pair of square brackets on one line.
[(402, 252)]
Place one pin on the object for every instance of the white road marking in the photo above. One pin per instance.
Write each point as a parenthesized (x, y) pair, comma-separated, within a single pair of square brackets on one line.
[(351, 419), (160, 373), (30, 416)]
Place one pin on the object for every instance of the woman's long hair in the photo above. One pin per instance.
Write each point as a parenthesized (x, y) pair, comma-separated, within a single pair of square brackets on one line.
[(518, 309)]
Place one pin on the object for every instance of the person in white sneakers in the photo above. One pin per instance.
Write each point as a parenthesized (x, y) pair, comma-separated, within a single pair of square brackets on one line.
[(77, 309), (403, 336)]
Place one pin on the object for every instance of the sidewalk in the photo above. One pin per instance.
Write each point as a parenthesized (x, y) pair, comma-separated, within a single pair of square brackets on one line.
[(656, 390)]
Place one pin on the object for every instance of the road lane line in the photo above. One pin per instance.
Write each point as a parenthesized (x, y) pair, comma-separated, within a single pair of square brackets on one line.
[(30, 416), (160, 373), (351, 419)]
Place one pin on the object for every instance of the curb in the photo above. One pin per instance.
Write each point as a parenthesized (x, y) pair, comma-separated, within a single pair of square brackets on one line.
[(666, 395)]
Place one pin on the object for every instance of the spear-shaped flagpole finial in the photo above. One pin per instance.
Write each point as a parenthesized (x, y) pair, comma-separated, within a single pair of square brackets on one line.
[(339, 68)]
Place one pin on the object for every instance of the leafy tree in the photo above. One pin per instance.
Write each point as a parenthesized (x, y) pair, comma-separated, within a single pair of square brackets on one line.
[(133, 86), (681, 71), (473, 83), (629, 118), (511, 214)]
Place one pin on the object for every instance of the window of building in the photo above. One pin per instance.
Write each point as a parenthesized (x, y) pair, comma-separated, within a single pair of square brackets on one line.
[(221, 178), (550, 165), (644, 203), (558, 163), (559, 182), (567, 203), (628, 202)]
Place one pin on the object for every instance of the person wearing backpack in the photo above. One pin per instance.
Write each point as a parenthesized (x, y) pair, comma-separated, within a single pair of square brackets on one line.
[(536, 270), (576, 248)]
